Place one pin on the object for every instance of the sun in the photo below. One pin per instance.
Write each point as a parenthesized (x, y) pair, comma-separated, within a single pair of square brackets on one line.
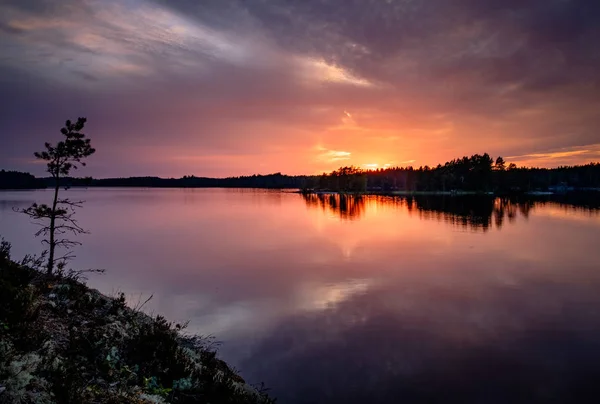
[(374, 166)]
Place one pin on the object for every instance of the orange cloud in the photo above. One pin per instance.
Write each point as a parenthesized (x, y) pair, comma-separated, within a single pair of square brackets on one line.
[(333, 155), (565, 156)]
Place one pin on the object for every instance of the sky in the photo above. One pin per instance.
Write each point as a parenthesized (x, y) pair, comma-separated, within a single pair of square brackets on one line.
[(236, 87)]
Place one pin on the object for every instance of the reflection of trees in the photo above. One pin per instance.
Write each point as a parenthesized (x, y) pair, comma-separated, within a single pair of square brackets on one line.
[(345, 206), (472, 212), (575, 201)]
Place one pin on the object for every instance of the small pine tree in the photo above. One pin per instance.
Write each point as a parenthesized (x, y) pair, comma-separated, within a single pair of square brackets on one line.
[(57, 220)]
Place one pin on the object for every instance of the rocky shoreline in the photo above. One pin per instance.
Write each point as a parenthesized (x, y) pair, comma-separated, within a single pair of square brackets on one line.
[(63, 342)]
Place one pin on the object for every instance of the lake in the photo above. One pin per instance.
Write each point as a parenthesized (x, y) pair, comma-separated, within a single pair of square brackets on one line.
[(352, 300)]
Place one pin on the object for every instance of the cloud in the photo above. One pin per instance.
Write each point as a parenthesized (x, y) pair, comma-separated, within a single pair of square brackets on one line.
[(321, 71), (390, 81), (108, 38), (333, 155), (563, 156)]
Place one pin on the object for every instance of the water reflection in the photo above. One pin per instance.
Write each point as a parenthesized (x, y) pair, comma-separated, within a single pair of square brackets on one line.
[(470, 212), (419, 341), (345, 206), (354, 300)]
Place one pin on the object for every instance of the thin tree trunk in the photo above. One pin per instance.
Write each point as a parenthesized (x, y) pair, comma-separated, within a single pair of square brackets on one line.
[(52, 227)]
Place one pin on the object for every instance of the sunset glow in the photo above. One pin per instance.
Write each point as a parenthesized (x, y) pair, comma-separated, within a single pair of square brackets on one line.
[(228, 88)]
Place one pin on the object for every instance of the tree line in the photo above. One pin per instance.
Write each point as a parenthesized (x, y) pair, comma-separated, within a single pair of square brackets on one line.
[(477, 173), (19, 180)]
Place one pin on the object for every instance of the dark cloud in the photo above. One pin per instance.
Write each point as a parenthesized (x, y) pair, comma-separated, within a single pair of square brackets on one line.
[(386, 28), (10, 30), (85, 76)]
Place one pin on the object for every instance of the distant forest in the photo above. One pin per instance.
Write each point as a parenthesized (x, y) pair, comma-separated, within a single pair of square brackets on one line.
[(477, 173), (19, 180)]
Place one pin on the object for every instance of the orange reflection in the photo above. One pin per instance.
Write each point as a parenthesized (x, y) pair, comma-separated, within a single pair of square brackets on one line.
[(472, 212)]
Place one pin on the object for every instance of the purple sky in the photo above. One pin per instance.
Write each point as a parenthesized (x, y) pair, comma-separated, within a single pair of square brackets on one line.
[(227, 87)]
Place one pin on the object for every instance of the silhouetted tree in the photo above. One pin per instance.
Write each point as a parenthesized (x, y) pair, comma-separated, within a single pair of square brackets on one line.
[(500, 164), (57, 220)]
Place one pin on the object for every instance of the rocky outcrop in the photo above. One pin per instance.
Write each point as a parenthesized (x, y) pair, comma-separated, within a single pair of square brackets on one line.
[(62, 342)]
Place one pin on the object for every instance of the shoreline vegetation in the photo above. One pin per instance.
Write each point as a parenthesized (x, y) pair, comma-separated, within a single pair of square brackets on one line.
[(63, 342), (477, 174)]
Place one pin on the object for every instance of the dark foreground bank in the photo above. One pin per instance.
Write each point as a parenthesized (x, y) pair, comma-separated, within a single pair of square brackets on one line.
[(62, 342)]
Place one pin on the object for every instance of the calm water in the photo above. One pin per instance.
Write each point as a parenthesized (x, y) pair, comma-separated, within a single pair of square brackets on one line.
[(375, 300)]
